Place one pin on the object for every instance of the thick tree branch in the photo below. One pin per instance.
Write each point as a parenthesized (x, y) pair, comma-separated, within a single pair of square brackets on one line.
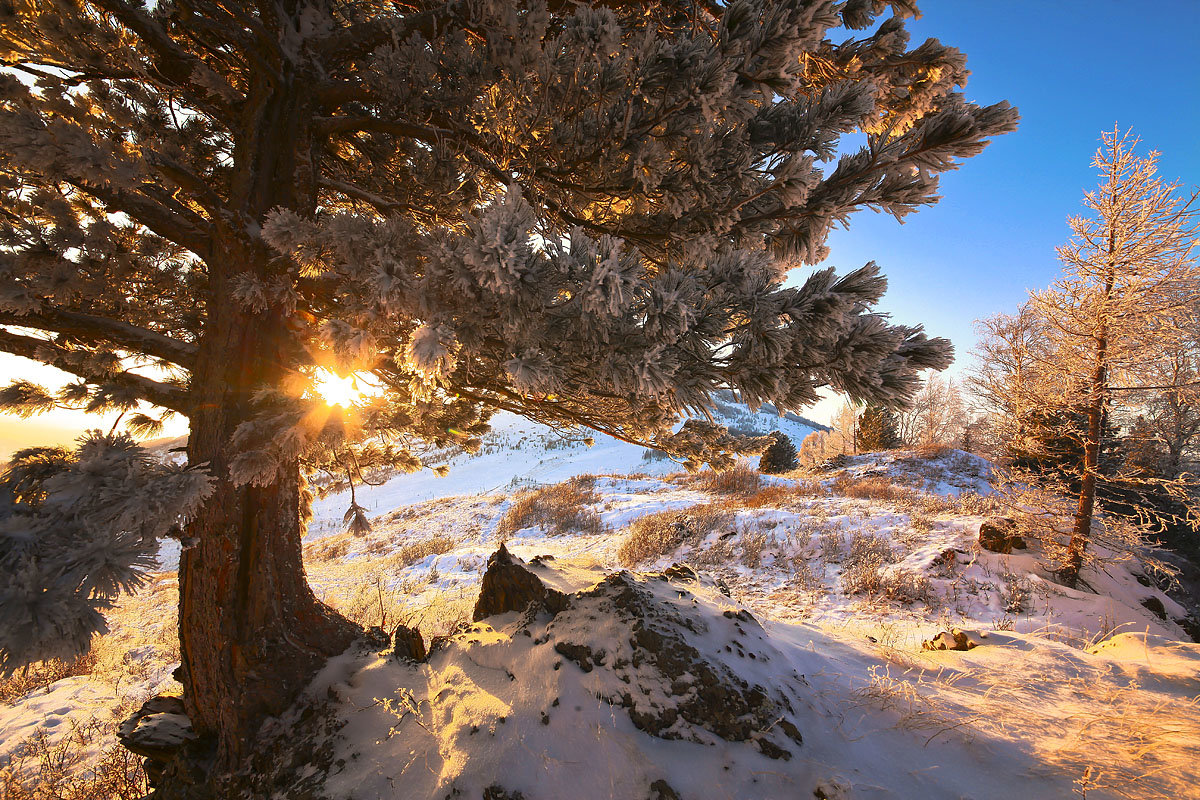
[(94, 328), (358, 40), (148, 389), (381, 204), (173, 63), (168, 223)]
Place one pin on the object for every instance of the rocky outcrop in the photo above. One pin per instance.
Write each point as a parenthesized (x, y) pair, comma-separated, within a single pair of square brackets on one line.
[(157, 732), (509, 585), (955, 639), (999, 535), (409, 644), (668, 687)]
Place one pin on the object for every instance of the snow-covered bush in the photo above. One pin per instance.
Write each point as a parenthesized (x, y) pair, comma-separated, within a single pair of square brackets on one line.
[(78, 528), (1017, 594)]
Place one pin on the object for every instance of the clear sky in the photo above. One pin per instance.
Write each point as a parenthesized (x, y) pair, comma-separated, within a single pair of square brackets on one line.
[(1074, 69)]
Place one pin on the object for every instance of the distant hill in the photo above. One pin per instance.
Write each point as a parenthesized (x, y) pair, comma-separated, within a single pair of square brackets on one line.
[(519, 453)]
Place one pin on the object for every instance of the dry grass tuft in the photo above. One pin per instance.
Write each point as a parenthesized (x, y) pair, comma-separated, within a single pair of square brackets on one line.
[(421, 549), (770, 496), (562, 508), (753, 543), (739, 481), (861, 569), (877, 487), (329, 548), (654, 535)]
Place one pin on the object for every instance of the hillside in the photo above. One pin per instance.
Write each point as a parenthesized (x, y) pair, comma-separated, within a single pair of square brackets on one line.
[(784, 661), (520, 453)]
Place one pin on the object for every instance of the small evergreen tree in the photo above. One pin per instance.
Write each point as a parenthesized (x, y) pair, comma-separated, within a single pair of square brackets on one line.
[(877, 429), (780, 455)]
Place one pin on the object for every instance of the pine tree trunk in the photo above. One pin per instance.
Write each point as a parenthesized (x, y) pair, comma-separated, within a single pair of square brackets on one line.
[(252, 633)]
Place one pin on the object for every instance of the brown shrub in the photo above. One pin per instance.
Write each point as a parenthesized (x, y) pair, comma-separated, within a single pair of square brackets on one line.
[(753, 544), (932, 451), (876, 487), (739, 480), (42, 674), (558, 509), (810, 488), (654, 535), (906, 586)]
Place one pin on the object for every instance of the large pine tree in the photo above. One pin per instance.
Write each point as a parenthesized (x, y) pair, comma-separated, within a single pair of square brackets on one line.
[(579, 213)]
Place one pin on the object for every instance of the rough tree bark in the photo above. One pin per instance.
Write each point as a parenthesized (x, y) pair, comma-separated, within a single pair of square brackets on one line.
[(252, 633)]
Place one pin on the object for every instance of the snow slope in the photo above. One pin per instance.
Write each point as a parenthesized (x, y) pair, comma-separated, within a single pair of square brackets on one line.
[(1071, 692)]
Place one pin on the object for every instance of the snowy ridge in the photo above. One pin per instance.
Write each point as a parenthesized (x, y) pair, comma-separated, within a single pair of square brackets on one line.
[(659, 686)]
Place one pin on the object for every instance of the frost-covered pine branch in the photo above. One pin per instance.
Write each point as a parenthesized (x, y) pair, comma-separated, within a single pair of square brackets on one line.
[(77, 528)]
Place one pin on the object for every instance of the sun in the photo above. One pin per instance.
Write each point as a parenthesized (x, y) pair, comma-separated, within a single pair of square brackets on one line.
[(345, 392)]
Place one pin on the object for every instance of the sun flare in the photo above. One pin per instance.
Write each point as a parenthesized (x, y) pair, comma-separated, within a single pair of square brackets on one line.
[(346, 392)]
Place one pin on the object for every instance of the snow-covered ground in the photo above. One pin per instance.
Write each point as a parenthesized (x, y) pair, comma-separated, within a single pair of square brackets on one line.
[(1070, 693)]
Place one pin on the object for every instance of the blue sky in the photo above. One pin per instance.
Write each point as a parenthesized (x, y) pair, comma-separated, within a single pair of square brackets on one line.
[(1073, 69)]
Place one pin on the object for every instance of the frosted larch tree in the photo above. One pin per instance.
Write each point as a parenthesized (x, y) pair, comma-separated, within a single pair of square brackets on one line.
[(579, 213), (1127, 301)]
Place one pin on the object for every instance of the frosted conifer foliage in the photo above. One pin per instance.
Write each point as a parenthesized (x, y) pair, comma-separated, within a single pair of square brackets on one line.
[(76, 529)]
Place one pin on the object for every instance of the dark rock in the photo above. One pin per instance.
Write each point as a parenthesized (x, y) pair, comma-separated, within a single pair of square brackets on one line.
[(1155, 607), (772, 750), (679, 572), (509, 585), (409, 644), (498, 792), (376, 637), (661, 790), (157, 732), (580, 654), (791, 730), (999, 535)]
